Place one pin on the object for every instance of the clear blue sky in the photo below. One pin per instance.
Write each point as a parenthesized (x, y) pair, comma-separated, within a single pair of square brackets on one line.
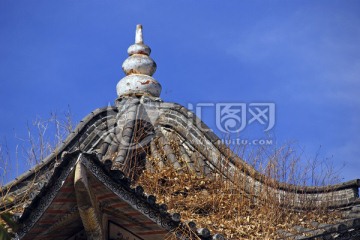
[(304, 56)]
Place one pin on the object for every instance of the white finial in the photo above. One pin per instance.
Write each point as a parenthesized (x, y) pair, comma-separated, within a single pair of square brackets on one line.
[(139, 68), (138, 35)]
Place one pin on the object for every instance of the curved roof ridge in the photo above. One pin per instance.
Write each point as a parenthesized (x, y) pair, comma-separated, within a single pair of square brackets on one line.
[(178, 122), (181, 118), (58, 151)]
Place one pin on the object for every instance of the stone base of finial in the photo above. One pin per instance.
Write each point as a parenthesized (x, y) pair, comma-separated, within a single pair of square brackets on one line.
[(138, 84), (143, 99)]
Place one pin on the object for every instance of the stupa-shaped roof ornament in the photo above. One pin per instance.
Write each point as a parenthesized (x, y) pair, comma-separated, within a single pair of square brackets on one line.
[(139, 68)]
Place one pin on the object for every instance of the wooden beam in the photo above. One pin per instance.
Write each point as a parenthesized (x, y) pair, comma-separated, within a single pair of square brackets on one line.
[(86, 202)]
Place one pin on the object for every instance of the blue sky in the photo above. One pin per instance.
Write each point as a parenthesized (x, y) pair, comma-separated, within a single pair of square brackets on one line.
[(304, 56)]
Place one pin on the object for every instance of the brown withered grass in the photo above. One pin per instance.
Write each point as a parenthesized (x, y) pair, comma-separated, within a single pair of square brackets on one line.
[(221, 206)]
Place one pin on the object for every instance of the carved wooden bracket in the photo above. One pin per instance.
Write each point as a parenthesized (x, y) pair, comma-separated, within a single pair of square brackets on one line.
[(86, 202)]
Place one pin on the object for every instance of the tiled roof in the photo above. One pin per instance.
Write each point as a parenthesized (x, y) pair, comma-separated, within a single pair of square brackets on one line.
[(99, 134), (116, 181)]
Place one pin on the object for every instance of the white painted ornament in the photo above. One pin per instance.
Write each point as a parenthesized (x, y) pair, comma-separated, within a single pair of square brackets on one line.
[(139, 68)]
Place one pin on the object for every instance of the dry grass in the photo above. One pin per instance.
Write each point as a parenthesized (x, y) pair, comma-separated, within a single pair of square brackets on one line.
[(43, 137), (218, 204)]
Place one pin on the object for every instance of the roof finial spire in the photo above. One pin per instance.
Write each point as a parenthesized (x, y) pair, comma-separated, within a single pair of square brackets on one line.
[(138, 35), (139, 68)]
